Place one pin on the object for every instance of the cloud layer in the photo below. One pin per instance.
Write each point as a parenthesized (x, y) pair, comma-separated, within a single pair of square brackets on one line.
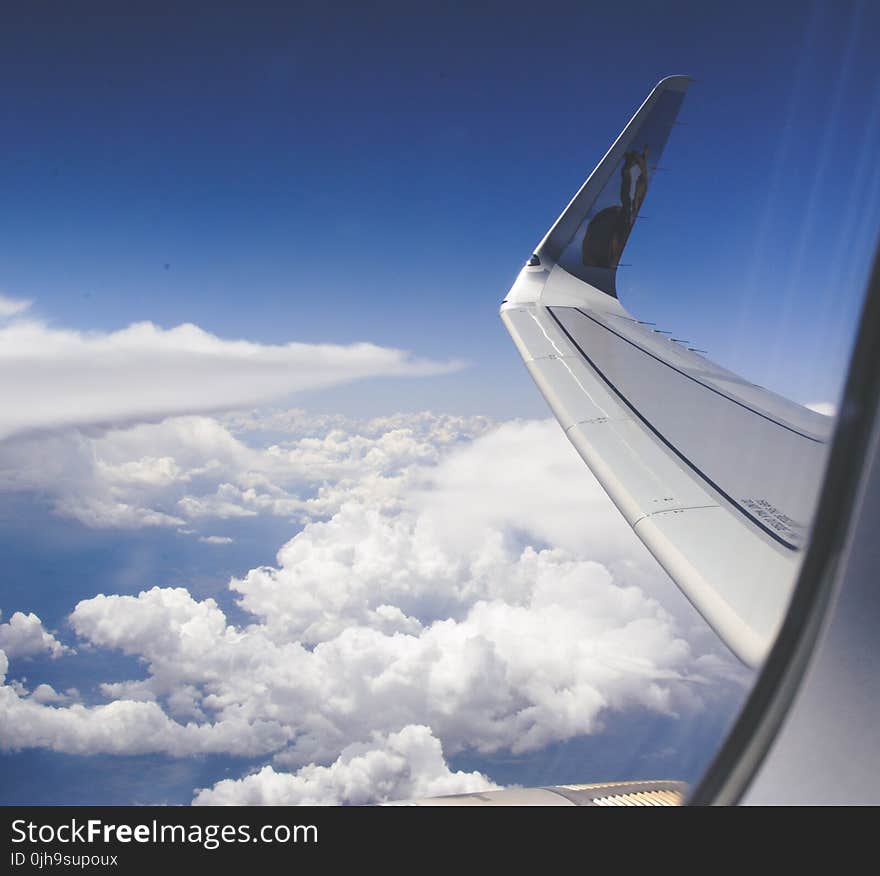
[(187, 470), (452, 588), (51, 377)]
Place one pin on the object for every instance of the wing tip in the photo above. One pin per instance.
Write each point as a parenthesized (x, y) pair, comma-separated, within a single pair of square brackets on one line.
[(677, 82)]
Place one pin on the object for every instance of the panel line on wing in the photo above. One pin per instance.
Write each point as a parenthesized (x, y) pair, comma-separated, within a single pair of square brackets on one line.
[(659, 511), (695, 380), (551, 341), (733, 502), (661, 488), (585, 391)]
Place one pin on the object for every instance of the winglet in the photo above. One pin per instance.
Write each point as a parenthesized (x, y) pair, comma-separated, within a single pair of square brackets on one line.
[(589, 237)]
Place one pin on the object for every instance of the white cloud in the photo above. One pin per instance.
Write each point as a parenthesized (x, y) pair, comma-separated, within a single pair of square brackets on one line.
[(51, 377), (124, 727), (46, 694), (216, 539), (829, 409), (481, 587), (12, 306), (24, 636), (556, 646), (195, 468), (433, 539), (396, 766)]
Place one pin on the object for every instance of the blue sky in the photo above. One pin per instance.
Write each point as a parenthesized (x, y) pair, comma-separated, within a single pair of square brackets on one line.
[(349, 172), (341, 173)]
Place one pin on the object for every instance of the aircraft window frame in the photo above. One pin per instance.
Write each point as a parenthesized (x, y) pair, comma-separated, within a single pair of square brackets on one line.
[(748, 743)]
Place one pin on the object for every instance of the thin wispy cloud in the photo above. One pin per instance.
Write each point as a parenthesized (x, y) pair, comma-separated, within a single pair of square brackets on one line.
[(52, 378), (12, 306)]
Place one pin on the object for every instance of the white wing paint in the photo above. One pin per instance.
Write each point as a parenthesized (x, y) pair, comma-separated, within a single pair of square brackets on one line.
[(718, 477)]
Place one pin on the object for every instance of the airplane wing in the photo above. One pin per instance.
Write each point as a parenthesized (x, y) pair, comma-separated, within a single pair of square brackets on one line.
[(663, 793), (718, 477)]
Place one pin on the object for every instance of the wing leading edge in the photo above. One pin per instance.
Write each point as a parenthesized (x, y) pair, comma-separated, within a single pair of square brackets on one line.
[(718, 477)]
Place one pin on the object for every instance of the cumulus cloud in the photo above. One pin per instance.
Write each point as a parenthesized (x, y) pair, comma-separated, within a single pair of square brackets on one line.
[(216, 539), (124, 727), (539, 662), (24, 636), (52, 377), (46, 694), (187, 469), (451, 586), (395, 766)]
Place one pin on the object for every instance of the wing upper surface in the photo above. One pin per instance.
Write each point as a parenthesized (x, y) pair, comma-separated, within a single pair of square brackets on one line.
[(718, 477)]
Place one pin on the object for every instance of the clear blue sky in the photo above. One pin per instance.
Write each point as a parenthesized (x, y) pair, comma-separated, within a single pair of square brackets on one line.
[(345, 172)]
